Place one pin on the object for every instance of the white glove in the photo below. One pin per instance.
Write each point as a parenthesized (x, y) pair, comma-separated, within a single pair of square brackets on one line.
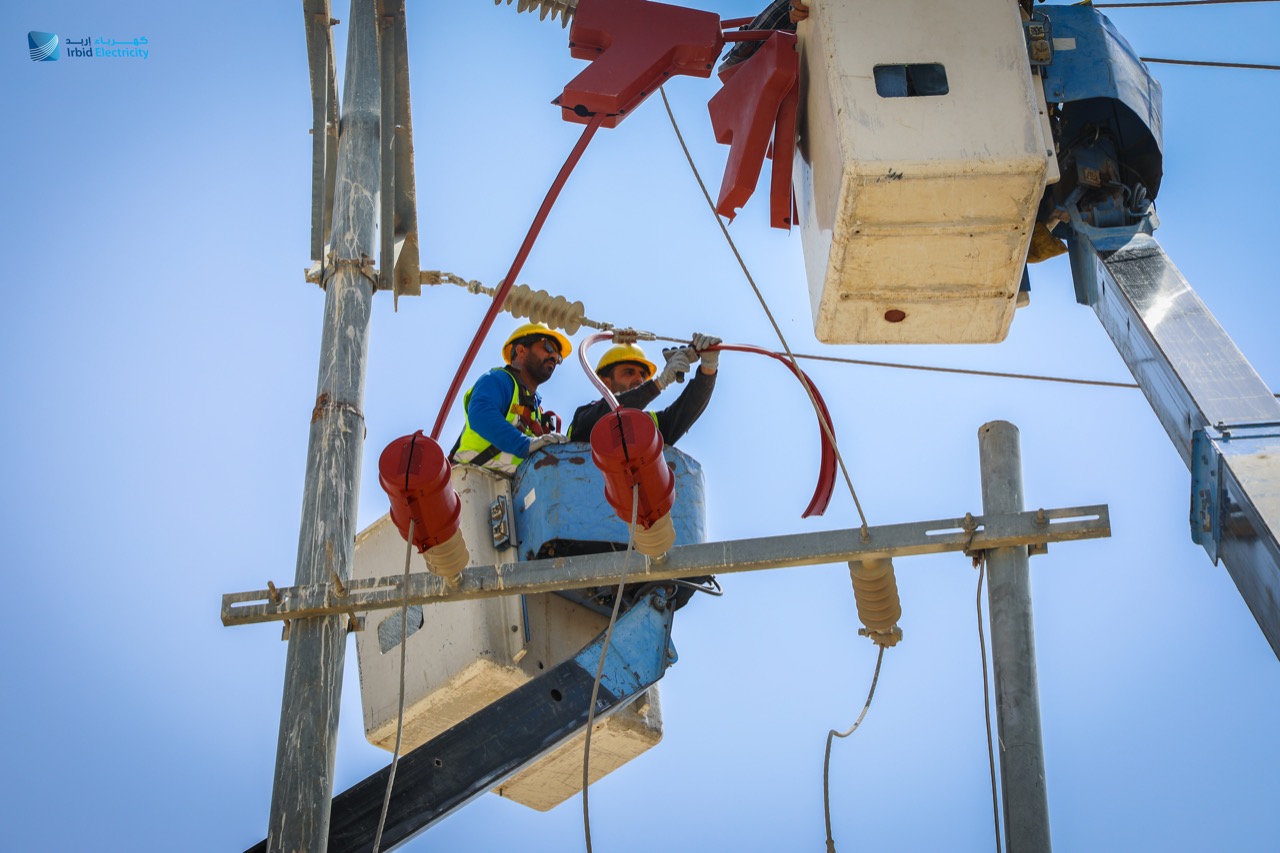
[(543, 440), (710, 359), (674, 370)]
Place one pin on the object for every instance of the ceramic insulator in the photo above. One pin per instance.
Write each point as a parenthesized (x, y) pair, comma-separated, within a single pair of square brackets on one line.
[(875, 590), (541, 307)]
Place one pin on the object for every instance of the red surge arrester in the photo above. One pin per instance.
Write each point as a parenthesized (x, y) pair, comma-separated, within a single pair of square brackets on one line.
[(414, 473), (627, 447), (634, 46)]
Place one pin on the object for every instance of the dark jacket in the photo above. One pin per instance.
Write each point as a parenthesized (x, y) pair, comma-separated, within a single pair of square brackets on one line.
[(673, 421)]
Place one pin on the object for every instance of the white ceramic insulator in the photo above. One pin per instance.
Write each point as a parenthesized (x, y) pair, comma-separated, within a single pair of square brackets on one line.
[(875, 591), (449, 558), (658, 539), (541, 307)]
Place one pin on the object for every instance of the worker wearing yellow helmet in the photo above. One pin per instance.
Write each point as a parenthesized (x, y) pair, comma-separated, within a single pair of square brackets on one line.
[(505, 422), (627, 371)]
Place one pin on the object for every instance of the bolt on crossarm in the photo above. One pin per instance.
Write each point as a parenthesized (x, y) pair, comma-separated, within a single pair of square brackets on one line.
[(303, 788)]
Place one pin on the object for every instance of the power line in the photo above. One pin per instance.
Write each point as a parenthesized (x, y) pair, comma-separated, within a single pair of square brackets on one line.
[(1172, 3), (1206, 64)]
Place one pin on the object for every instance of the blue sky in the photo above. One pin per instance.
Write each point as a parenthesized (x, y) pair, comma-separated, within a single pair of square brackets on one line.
[(159, 358)]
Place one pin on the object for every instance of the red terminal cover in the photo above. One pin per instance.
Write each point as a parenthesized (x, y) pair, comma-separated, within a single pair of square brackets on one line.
[(414, 473), (757, 105), (627, 447), (634, 46)]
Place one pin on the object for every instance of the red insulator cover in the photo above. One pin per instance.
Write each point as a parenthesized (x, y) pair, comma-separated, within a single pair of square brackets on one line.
[(627, 447), (414, 473)]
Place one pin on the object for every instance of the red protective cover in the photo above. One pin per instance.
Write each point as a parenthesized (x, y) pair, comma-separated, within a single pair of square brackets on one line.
[(627, 447), (414, 473), (757, 105), (634, 46)]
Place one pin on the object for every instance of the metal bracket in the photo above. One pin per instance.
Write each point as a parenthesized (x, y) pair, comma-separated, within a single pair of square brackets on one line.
[(500, 519), (1211, 505)]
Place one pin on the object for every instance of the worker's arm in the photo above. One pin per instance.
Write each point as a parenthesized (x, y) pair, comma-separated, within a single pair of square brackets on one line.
[(585, 417), (487, 413), (674, 421)]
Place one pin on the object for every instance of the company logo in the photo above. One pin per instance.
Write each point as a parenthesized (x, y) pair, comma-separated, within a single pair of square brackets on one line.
[(43, 46), (46, 47)]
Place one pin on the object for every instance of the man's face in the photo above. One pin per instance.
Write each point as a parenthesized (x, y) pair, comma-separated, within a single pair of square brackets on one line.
[(539, 359), (626, 375)]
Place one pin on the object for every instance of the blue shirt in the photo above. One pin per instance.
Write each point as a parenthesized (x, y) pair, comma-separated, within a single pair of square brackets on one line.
[(487, 412)]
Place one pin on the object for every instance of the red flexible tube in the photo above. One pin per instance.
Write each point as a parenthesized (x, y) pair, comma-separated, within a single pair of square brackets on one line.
[(503, 289), (827, 467)]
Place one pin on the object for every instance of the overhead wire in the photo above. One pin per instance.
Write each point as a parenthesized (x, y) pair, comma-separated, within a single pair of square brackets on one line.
[(980, 563), (404, 638), (826, 760), (1206, 64), (595, 684), (1174, 3), (826, 427)]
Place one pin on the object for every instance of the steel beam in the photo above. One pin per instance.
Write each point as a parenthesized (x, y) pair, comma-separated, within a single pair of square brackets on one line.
[(1215, 408), (969, 534)]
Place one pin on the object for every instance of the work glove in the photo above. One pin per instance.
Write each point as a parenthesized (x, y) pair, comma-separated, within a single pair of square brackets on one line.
[(676, 367), (543, 440), (710, 359)]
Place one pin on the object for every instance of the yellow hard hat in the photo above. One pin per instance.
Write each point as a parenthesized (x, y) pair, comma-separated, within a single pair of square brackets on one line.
[(624, 352), (529, 329)]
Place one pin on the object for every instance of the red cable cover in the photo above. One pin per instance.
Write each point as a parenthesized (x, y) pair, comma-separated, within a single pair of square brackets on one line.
[(827, 467), (505, 287)]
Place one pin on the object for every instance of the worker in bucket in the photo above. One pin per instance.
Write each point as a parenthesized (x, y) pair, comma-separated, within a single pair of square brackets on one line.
[(505, 422), (636, 382)]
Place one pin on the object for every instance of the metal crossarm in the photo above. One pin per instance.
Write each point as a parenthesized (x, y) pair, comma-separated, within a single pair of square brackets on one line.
[(972, 533)]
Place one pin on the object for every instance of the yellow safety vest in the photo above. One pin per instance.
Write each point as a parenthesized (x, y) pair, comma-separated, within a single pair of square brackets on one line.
[(524, 414)]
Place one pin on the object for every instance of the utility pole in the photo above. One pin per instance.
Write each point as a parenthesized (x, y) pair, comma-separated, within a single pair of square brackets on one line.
[(303, 789), (1013, 651)]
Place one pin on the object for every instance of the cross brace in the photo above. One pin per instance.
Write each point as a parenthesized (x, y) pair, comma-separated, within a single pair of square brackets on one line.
[(970, 534)]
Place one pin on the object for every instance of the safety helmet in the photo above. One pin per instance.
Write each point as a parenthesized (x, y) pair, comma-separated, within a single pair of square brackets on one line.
[(624, 352), (532, 330)]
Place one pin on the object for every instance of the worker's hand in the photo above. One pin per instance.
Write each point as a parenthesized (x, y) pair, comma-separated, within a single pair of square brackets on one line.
[(710, 358), (676, 367), (799, 11), (543, 440)]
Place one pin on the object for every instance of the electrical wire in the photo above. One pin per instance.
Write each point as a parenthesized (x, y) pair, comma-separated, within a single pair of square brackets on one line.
[(980, 563), (509, 280), (404, 637), (826, 760), (595, 686), (1205, 64), (826, 427), (1172, 3), (437, 277)]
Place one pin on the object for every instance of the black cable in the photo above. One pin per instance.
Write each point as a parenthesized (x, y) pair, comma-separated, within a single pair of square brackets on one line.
[(1254, 65), (826, 759), (981, 564), (1172, 3)]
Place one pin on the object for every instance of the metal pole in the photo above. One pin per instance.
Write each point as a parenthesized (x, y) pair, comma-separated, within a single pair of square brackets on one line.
[(1013, 651), (300, 799)]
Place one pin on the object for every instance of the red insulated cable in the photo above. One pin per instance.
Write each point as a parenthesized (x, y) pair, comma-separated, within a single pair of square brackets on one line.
[(498, 298), (827, 467)]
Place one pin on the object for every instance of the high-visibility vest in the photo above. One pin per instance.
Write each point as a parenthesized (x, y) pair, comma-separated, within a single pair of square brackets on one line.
[(524, 414)]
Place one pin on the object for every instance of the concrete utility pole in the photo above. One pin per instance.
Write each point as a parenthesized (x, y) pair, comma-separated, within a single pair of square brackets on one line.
[(303, 791), (1013, 651)]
